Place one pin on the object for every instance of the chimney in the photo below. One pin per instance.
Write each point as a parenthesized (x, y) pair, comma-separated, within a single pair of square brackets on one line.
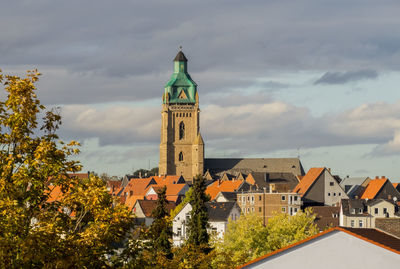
[(270, 189), (389, 197), (265, 189), (383, 176), (140, 174), (376, 177)]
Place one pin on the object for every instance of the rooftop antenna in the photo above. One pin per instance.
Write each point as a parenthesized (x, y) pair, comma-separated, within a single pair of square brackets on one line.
[(298, 152)]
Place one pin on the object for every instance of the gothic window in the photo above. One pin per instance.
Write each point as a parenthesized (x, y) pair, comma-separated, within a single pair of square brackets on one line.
[(181, 156), (181, 130)]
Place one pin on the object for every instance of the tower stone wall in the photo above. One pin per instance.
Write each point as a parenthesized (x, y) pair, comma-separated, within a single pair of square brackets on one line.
[(181, 146)]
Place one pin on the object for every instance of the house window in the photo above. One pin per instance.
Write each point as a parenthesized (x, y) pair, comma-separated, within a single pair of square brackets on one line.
[(334, 215), (252, 199), (181, 130), (179, 232), (187, 217), (259, 198), (295, 198), (283, 198), (360, 210), (340, 194), (376, 211), (384, 210), (283, 209), (334, 194), (330, 183), (248, 198), (252, 209), (360, 223), (181, 156), (213, 230), (248, 210), (295, 210), (329, 194), (259, 209), (352, 223)]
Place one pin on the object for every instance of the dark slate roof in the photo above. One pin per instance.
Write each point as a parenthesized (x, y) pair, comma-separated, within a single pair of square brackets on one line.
[(376, 236), (219, 211), (352, 186), (347, 204), (325, 216), (231, 196), (248, 165), (149, 205), (180, 57)]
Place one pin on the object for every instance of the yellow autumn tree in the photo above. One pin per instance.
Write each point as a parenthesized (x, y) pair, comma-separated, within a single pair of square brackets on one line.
[(75, 230), (247, 238)]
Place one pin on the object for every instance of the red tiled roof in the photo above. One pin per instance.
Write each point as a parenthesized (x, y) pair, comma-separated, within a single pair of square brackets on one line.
[(373, 187), (149, 205), (370, 235), (79, 175), (308, 180), (228, 186)]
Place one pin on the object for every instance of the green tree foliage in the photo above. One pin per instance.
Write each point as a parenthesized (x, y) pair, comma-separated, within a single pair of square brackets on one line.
[(74, 230), (145, 172), (188, 197), (247, 238), (198, 223), (161, 230)]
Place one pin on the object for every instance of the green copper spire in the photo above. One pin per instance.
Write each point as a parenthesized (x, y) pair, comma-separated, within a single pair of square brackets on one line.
[(180, 88)]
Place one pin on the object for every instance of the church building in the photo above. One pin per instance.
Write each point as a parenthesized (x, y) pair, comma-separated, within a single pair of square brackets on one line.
[(181, 147)]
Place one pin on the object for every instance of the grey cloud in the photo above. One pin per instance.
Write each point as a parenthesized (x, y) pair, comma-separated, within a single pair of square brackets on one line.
[(241, 127), (345, 77), (131, 43)]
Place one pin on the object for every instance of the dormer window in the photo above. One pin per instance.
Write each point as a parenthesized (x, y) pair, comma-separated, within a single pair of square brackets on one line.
[(181, 156)]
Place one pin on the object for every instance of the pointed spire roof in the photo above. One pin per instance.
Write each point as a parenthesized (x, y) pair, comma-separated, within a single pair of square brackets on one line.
[(180, 57)]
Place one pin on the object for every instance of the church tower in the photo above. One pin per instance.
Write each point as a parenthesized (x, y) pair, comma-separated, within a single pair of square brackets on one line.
[(181, 147)]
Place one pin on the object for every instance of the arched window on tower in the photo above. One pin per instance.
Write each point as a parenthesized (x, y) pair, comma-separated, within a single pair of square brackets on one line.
[(181, 156), (181, 130)]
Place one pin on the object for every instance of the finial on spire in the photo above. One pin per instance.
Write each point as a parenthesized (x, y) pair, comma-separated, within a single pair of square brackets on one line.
[(180, 48)]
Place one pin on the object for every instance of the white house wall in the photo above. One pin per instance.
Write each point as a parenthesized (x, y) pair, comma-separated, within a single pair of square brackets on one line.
[(332, 251)]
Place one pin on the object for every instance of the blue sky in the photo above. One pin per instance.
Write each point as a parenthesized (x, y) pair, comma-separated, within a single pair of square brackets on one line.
[(312, 78)]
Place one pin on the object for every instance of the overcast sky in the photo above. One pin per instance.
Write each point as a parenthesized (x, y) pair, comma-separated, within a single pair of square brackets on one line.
[(315, 79)]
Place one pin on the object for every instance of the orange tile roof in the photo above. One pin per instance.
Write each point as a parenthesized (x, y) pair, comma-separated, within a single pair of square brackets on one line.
[(346, 230), (138, 186), (131, 200), (55, 194), (250, 179), (308, 180), (164, 180), (373, 187), (395, 185), (172, 189), (218, 186)]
